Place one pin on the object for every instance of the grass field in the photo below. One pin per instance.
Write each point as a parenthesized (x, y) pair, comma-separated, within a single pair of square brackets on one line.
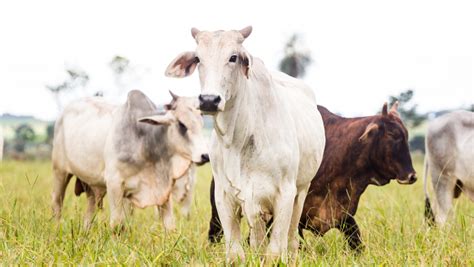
[(390, 218)]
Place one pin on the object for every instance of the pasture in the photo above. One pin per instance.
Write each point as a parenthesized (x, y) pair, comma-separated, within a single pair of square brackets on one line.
[(390, 218)]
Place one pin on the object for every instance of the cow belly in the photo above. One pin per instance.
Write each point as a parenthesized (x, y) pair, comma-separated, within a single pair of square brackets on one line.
[(147, 188), (323, 212), (309, 127), (84, 153), (311, 142)]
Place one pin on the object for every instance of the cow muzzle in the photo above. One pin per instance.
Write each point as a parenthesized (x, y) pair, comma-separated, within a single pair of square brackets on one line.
[(204, 160), (410, 179), (209, 104)]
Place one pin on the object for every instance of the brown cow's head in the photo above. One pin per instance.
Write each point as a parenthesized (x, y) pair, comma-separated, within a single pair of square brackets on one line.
[(389, 152), (222, 63)]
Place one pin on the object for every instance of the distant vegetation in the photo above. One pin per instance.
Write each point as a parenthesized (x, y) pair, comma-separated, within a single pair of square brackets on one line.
[(26, 137)]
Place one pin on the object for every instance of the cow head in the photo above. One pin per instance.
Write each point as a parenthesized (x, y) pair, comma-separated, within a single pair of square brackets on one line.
[(184, 131), (388, 143), (222, 63)]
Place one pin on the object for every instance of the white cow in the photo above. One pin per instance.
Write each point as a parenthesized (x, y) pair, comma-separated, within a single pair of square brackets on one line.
[(125, 150), (267, 143), (450, 157)]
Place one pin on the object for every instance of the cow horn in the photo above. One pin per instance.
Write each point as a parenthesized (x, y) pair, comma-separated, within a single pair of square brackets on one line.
[(194, 32), (246, 31), (384, 109), (173, 95), (394, 108)]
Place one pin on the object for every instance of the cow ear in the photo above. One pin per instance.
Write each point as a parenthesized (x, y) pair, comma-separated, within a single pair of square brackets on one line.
[(371, 128), (246, 62), (384, 109), (194, 32), (183, 65), (165, 119)]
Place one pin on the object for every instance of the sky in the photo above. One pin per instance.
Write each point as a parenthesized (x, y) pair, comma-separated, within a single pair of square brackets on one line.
[(363, 51)]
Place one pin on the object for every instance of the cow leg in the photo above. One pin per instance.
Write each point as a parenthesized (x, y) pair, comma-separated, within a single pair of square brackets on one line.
[(60, 182), (166, 213), (91, 206), (215, 228), (188, 199), (187, 202), (117, 204), (469, 192), (295, 221), (230, 216), (282, 217), (444, 189), (256, 223), (352, 233)]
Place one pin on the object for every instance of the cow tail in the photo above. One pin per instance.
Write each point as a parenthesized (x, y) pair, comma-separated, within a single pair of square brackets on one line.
[(429, 215), (425, 175)]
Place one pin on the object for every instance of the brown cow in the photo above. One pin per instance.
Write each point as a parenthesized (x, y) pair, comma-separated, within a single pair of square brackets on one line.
[(359, 152)]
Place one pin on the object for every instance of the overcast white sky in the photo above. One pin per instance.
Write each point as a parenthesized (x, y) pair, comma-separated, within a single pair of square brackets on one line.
[(363, 51)]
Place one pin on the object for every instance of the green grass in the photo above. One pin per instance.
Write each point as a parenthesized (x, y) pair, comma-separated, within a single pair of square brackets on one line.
[(390, 218)]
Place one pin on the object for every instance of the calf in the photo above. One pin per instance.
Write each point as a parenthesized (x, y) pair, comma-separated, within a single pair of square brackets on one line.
[(125, 151), (358, 152), (450, 156)]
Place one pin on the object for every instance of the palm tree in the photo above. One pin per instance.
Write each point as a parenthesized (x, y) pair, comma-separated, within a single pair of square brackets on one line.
[(295, 61)]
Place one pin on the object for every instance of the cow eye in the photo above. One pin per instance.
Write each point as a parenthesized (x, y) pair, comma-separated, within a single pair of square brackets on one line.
[(182, 128), (196, 60), (233, 58), (395, 136)]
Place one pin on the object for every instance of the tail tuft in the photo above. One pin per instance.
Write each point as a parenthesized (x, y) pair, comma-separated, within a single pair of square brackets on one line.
[(429, 215)]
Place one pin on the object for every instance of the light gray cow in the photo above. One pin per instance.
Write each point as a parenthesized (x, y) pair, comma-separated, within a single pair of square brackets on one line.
[(267, 144), (450, 157), (126, 151)]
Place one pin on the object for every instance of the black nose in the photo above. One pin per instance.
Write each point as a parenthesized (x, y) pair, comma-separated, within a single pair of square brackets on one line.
[(412, 177), (209, 103), (205, 158)]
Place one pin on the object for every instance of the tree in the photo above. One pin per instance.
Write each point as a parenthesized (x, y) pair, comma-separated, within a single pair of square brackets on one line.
[(295, 60), (123, 72), (75, 78), (417, 143), (49, 133), (23, 134), (407, 109)]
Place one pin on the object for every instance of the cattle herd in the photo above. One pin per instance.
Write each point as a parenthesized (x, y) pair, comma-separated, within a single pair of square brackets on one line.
[(278, 159)]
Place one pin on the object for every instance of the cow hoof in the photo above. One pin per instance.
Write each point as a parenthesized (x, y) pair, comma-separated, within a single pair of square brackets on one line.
[(357, 249), (275, 255), (118, 229), (236, 254), (170, 228)]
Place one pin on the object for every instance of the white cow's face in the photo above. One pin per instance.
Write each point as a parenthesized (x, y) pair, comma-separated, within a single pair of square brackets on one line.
[(185, 129), (222, 62)]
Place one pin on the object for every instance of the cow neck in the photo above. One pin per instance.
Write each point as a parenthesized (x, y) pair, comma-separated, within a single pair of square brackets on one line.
[(360, 157), (243, 112), (370, 174)]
